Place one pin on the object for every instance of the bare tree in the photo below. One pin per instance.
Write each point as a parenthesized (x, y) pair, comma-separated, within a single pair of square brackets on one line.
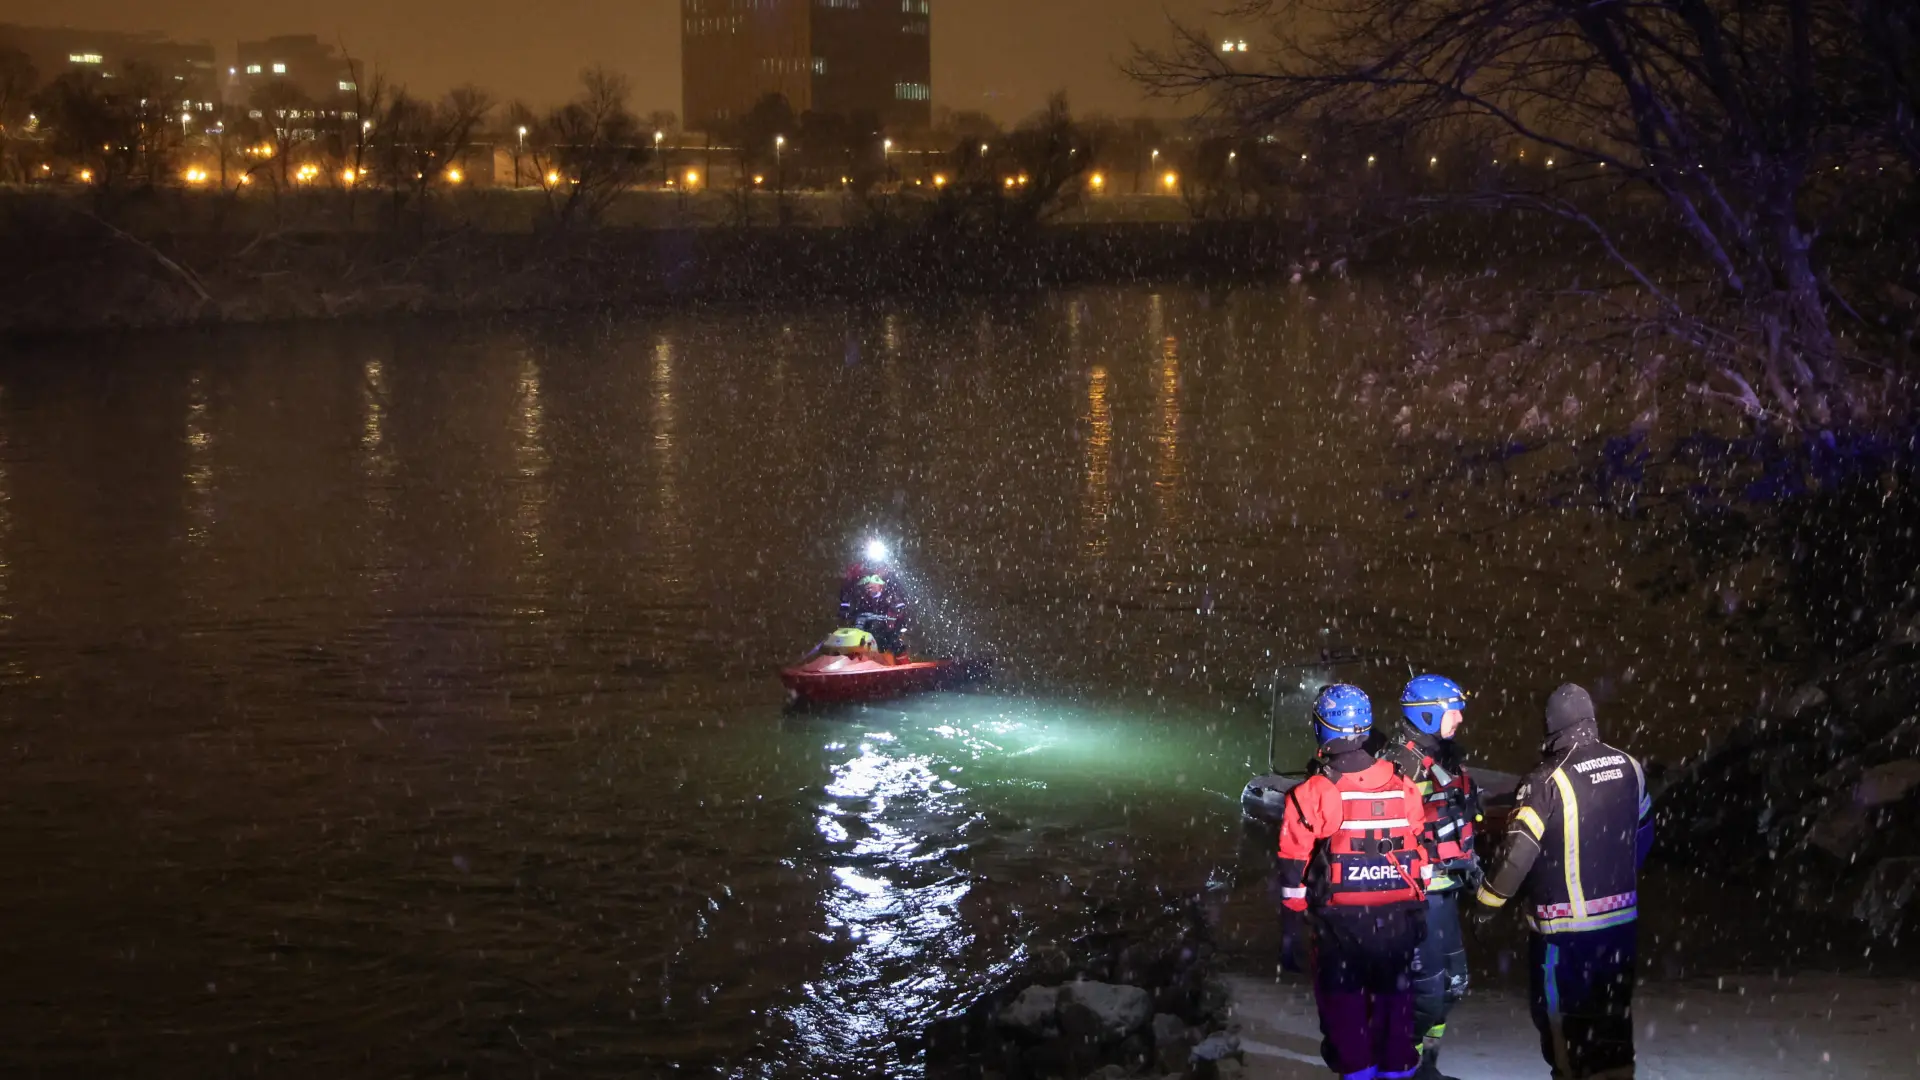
[(413, 142), (519, 123), (1033, 173), (119, 131), (354, 132), (1052, 153), (1734, 114), (590, 151), (18, 126), (1891, 29), (283, 117)]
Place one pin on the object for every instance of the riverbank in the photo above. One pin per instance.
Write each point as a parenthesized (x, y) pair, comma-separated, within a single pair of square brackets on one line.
[(182, 259), (75, 281)]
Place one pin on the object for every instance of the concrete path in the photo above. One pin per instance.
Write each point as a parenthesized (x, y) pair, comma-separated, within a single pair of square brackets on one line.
[(1813, 1026)]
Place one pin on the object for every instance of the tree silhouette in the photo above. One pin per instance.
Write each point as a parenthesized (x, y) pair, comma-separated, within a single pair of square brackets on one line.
[(1735, 115)]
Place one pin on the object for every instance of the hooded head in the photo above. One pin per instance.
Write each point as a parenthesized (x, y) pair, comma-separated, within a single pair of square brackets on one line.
[(1567, 706)]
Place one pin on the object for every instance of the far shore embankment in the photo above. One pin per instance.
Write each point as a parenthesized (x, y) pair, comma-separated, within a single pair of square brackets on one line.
[(180, 262), (77, 283)]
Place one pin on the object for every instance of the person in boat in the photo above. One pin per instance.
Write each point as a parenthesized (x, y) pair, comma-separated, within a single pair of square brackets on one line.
[(1581, 826), (1421, 748), (1353, 871), (870, 600)]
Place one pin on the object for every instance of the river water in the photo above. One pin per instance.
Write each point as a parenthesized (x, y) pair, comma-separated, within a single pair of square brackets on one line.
[(399, 699)]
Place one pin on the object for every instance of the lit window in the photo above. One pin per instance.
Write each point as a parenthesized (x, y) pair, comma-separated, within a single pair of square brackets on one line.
[(819, 65), (253, 69), (346, 86), (279, 69), (84, 58)]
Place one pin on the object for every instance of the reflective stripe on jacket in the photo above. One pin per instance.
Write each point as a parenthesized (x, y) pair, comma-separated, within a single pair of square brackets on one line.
[(1574, 839), (1353, 840)]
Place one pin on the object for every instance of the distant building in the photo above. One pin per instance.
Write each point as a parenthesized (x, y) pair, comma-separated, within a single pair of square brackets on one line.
[(54, 51), (840, 56), (301, 61)]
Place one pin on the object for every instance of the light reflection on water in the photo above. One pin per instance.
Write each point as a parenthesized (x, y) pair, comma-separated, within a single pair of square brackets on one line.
[(1098, 504), (531, 462), (1168, 483), (931, 800), (199, 461)]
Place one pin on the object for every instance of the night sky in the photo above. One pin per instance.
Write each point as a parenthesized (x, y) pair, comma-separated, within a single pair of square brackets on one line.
[(1003, 56)]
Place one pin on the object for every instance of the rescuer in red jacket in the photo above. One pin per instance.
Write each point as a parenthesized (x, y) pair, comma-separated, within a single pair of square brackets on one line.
[(1354, 868)]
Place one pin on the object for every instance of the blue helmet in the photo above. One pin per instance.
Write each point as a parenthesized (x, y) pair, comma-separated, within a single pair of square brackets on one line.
[(1341, 712), (1427, 699)]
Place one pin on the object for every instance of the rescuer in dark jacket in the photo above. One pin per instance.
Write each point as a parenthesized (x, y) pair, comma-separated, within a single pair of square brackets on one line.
[(1422, 749), (1351, 854), (1581, 826)]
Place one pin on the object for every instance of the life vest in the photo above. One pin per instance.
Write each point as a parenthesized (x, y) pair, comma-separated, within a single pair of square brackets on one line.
[(1452, 806), (847, 641), (1376, 856)]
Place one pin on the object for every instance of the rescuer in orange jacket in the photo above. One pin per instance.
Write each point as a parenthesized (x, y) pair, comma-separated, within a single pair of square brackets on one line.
[(1421, 747), (1354, 867)]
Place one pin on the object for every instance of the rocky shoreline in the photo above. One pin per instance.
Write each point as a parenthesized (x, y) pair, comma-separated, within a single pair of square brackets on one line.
[(1815, 800), (1134, 996)]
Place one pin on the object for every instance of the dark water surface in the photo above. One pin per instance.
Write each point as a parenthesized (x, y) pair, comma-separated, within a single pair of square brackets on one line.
[(399, 700)]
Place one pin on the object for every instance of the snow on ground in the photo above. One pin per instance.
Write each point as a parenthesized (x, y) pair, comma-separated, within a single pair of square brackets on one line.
[(1808, 1026)]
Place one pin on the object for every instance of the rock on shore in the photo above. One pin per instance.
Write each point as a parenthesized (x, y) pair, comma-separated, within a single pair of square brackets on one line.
[(1133, 998), (1816, 799)]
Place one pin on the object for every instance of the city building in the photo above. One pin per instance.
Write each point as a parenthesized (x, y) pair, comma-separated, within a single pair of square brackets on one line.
[(300, 61), (54, 51), (852, 57)]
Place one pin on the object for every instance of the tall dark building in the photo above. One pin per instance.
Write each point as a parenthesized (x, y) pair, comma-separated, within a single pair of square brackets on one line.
[(841, 56), (187, 68), (300, 61)]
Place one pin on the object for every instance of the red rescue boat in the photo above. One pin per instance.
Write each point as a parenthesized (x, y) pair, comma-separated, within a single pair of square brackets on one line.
[(846, 668), (832, 679)]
